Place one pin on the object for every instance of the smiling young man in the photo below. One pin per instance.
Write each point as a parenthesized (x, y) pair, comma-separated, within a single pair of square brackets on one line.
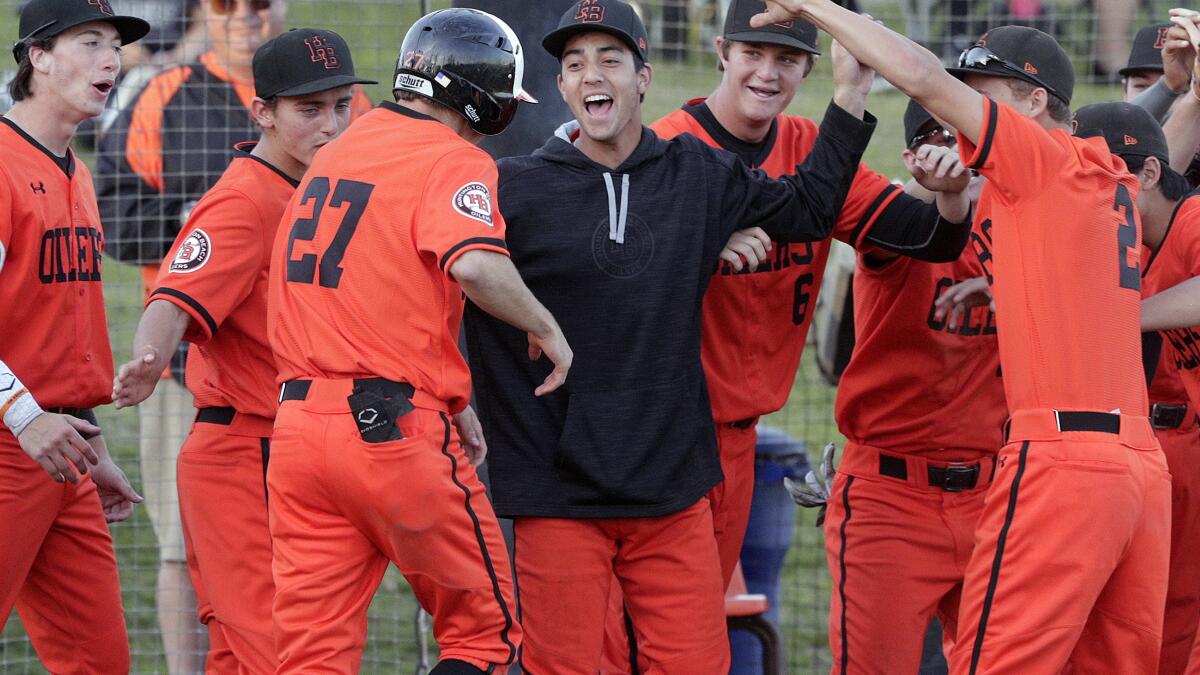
[(1057, 219), (756, 319), (618, 232), (57, 564), (213, 292)]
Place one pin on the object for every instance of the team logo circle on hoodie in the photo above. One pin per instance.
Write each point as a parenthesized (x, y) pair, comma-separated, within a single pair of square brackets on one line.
[(625, 254)]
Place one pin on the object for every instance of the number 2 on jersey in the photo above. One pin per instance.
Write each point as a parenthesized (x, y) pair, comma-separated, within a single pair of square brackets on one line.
[(349, 193), (1127, 241)]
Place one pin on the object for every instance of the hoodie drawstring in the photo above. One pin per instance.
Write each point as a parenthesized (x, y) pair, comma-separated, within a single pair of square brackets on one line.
[(616, 223)]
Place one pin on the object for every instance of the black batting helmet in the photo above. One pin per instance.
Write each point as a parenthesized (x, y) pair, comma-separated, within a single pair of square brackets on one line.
[(467, 60)]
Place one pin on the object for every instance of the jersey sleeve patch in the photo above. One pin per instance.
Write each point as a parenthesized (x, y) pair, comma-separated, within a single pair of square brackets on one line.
[(473, 200), (193, 253)]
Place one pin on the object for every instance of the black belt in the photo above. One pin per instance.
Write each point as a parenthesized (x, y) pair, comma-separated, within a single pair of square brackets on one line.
[(1168, 415), (222, 416), (948, 478), (1081, 420), (85, 414), (297, 390)]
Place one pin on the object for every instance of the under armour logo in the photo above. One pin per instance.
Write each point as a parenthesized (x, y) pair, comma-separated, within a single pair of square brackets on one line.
[(39, 188), (1161, 40), (103, 5), (590, 11), (319, 50)]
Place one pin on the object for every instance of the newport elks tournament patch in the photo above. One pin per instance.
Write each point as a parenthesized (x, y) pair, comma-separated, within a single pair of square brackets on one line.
[(193, 253), (474, 201)]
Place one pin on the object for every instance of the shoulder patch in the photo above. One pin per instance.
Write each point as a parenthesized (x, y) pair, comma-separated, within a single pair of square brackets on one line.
[(193, 253), (474, 201)]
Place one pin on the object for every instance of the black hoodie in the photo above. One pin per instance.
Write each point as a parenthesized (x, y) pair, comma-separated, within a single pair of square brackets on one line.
[(622, 259)]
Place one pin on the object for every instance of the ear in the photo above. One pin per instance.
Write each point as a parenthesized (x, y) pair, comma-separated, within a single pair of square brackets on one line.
[(1151, 174), (1038, 101), (720, 42), (40, 59), (262, 113), (644, 76), (910, 160), (561, 91)]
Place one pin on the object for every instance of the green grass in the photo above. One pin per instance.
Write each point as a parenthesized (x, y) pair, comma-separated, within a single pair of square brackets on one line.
[(375, 30)]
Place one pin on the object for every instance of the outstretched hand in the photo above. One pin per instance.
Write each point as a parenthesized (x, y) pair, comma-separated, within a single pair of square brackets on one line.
[(135, 379)]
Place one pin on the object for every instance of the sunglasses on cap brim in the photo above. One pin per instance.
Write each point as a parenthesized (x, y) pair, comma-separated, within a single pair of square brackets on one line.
[(229, 6), (979, 57), (937, 133)]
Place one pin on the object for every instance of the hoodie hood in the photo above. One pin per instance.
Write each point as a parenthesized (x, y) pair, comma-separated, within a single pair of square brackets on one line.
[(560, 149)]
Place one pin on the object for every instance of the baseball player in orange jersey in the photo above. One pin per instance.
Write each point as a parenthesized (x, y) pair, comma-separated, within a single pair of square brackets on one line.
[(392, 225), (914, 473), (1081, 490), (1171, 235), (57, 564), (751, 357), (217, 281)]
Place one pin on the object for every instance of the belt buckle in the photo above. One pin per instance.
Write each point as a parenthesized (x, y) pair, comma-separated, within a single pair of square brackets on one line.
[(1165, 416), (960, 477)]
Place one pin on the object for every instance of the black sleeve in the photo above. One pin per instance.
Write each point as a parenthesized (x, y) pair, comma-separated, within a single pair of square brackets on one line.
[(803, 206), (908, 226)]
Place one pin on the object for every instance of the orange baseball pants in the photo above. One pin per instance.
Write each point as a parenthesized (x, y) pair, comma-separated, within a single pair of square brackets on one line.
[(341, 509), (58, 568), (1182, 449), (221, 474), (730, 504), (667, 568), (1071, 553), (897, 552)]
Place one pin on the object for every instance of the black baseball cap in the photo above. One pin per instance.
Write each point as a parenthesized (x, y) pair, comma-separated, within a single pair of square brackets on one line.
[(1146, 53), (607, 16), (1126, 128), (47, 18), (303, 61), (798, 34), (915, 118), (1022, 53)]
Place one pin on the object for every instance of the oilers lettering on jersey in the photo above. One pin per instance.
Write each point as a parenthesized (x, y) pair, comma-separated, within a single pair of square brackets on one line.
[(70, 254), (975, 321)]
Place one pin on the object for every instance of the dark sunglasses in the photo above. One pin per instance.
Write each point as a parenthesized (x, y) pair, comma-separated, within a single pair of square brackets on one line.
[(227, 6), (980, 57), (932, 136)]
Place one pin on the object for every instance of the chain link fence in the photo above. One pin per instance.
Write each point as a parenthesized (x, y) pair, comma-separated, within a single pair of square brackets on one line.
[(161, 619)]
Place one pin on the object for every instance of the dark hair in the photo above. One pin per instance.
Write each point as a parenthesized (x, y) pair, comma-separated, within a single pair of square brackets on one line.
[(1173, 185), (21, 86), (406, 95), (1059, 111)]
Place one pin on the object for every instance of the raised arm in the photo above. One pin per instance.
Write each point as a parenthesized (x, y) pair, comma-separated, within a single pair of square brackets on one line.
[(1176, 307), (913, 69)]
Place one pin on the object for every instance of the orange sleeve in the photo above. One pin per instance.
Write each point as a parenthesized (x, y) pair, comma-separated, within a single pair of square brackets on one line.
[(457, 211), (143, 144), (217, 258), (1189, 219), (1014, 152), (869, 195)]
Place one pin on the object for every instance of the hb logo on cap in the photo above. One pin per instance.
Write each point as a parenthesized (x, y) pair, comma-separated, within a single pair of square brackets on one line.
[(1161, 40), (103, 5), (318, 50), (590, 11)]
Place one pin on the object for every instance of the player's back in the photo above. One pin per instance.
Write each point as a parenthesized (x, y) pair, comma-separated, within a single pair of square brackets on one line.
[(1058, 235), (358, 287)]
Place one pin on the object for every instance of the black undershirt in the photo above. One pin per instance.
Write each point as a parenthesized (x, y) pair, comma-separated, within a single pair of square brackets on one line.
[(751, 154)]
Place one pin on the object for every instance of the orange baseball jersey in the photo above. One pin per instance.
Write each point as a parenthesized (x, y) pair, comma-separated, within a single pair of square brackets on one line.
[(218, 275), (1058, 235), (55, 336), (1176, 261), (359, 282), (913, 383), (750, 357)]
